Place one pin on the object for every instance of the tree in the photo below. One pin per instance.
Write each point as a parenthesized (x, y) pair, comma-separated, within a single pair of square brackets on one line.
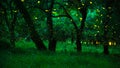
[(33, 33), (108, 5), (10, 19), (52, 41), (83, 10), (47, 9)]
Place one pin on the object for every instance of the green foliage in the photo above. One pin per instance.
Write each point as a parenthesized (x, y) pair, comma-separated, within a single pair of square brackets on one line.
[(68, 47), (25, 44), (37, 59)]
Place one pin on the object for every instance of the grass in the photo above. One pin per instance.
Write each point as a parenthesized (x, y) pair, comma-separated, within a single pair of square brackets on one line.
[(26, 56)]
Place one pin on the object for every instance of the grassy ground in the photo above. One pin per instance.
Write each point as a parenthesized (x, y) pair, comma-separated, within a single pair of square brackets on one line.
[(26, 56)]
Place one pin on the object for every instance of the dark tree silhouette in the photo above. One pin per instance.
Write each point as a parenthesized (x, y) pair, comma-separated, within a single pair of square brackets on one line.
[(33, 33), (79, 30), (52, 41), (10, 23), (108, 3)]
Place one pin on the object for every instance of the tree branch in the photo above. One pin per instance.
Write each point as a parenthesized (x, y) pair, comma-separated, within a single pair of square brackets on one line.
[(68, 15)]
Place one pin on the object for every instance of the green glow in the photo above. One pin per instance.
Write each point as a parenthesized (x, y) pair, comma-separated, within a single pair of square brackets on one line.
[(29, 24), (92, 13)]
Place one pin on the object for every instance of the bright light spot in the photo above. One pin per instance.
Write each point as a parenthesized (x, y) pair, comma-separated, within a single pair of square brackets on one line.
[(54, 12), (71, 20), (66, 3), (110, 43), (38, 2), (79, 8), (85, 42), (114, 43), (97, 42), (83, 4), (101, 15), (22, 0), (15, 11), (76, 14), (90, 2), (81, 19), (98, 31), (81, 42), (95, 34), (36, 18), (46, 10), (109, 7), (54, 9), (103, 7), (95, 25), (98, 10)]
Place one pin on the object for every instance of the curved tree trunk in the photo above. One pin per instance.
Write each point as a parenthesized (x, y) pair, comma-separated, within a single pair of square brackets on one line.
[(79, 31), (34, 35)]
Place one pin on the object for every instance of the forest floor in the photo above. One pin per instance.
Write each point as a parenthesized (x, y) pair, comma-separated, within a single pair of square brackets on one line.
[(32, 58)]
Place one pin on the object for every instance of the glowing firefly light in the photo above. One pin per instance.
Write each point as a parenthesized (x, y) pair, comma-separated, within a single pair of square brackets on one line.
[(22, 0), (103, 7), (55, 9), (76, 14), (58, 17), (79, 8), (110, 43), (101, 15), (90, 2), (109, 7), (98, 10), (66, 3), (36, 18), (114, 43), (38, 2), (81, 19), (46, 10), (83, 4)]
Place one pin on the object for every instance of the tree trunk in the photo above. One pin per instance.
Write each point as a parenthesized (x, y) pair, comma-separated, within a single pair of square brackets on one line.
[(11, 27), (34, 35), (108, 3), (105, 38), (52, 41), (78, 43), (83, 11), (12, 31)]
